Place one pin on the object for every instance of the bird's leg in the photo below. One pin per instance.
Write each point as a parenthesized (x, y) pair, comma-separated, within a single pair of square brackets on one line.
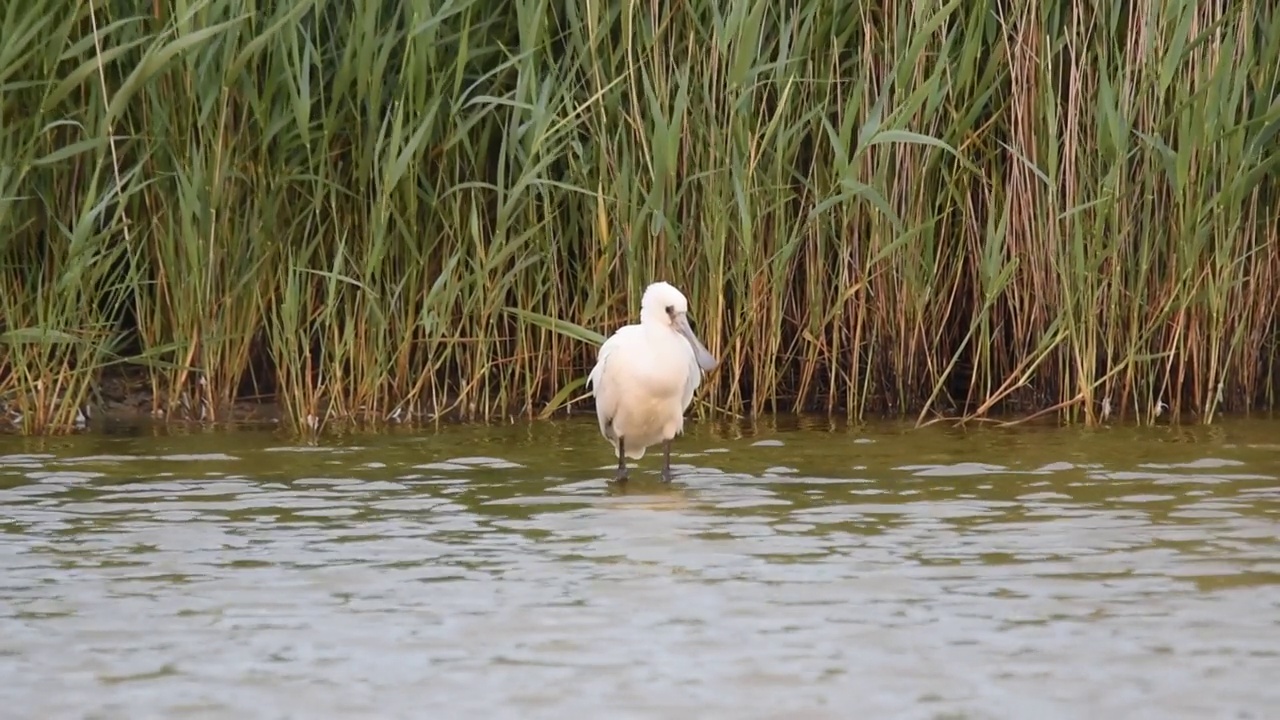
[(666, 461), (622, 462)]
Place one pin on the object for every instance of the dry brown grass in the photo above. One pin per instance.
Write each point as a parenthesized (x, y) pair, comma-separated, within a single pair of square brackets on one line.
[(937, 211)]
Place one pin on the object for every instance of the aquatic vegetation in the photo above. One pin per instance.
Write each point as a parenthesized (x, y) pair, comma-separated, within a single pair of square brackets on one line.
[(395, 211)]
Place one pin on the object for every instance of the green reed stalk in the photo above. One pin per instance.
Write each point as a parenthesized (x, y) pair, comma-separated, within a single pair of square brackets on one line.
[(413, 210)]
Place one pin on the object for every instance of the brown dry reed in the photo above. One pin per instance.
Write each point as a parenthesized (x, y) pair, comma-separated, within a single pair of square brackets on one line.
[(395, 210)]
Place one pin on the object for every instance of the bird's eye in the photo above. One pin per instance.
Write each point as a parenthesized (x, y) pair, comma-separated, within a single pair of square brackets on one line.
[(671, 310)]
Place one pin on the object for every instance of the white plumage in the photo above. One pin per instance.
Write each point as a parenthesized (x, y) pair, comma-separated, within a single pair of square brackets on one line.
[(645, 377)]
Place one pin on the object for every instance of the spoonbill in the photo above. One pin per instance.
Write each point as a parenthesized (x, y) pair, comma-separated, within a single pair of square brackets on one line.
[(645, 376)]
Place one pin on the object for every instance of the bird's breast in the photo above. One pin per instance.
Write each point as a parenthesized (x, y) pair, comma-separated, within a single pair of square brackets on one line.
[(659, 363)]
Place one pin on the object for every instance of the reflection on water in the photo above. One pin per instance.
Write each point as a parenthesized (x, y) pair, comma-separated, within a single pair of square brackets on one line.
[(790, 572)]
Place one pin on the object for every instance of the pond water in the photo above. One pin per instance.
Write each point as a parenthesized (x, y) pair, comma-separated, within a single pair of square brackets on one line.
[(793, 570)]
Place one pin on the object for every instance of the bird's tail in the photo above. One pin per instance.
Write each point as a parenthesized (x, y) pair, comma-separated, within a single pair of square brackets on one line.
[(632, 453)]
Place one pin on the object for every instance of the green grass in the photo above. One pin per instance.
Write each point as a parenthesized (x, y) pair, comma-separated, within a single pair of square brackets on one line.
[(408, 210)]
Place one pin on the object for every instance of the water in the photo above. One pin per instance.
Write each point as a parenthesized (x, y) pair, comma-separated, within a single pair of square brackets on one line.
[(793, 572)]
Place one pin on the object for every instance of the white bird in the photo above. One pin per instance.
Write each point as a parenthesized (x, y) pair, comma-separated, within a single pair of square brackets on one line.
[(645, 377)]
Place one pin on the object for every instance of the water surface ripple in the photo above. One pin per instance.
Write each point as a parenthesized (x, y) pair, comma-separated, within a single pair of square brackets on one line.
[(788, 573)]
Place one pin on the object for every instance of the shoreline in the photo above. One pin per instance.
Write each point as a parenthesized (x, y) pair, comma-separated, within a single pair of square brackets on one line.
[(125, 399)]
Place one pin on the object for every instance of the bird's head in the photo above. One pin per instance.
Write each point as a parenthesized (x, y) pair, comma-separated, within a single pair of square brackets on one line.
[(665, 306)]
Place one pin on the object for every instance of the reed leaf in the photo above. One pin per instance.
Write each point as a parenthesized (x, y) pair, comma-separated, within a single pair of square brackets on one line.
[(397, 212)]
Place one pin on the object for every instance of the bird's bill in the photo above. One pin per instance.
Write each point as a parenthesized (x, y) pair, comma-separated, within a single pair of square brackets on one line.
[(700, 353)]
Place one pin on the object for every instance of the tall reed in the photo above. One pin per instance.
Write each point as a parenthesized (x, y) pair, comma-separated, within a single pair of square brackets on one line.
[(418, 208)]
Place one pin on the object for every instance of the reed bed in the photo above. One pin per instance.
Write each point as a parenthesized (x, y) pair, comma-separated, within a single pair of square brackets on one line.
[(391, 210)]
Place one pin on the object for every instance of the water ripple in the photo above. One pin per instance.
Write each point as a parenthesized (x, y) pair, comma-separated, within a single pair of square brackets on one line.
[(782, 577)]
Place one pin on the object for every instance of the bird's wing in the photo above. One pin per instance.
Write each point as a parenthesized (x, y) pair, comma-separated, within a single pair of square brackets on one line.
[(606, 405), (607, 348)]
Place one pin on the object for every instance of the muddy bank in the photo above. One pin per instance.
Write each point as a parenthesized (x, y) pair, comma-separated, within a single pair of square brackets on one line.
[(127, 397)]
